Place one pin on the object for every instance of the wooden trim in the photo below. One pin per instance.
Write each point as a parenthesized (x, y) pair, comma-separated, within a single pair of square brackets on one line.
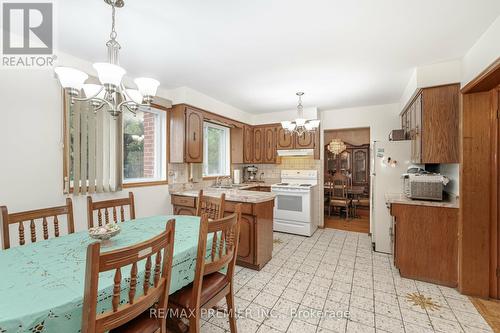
[(485, 81), (145, 184)]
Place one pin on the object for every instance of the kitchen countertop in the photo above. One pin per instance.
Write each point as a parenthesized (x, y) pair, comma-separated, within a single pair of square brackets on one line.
[(399, 198), (237, 195)]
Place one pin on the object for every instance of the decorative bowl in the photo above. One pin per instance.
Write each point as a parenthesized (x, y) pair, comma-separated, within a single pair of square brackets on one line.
[(104, 232)]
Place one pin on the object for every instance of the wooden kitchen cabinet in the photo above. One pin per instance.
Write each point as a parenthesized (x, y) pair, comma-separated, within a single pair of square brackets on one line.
[(256, 229), (426, 243), (248, 144), (258, 145), (237, 142), (284, 140), (431, 122), (186, 134), (305, 141), (269, 145)]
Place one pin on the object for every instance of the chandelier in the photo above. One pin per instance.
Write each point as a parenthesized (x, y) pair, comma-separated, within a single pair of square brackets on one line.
[(336, 146), (300, 125), (111, 92)]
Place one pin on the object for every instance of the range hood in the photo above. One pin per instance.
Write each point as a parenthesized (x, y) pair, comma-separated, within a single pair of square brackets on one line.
[(295, 152)]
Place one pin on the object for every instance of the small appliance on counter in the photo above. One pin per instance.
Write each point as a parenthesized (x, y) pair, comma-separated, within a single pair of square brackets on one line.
[(397, 135), (236, 176), (424, 186), (250, 173)]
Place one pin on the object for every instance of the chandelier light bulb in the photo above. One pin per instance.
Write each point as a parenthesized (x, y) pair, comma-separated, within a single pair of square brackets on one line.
[(109, 74), (147, 86), (71, 78), (292, 126), (309, 126)]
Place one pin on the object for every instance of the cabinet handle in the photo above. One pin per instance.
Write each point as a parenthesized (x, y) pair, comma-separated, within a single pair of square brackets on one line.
[(194, 136)]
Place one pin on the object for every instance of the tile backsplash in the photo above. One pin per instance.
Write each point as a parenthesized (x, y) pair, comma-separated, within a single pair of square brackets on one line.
[(272, 172)]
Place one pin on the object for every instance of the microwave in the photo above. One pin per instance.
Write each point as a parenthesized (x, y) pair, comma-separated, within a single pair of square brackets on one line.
[(424, 186)]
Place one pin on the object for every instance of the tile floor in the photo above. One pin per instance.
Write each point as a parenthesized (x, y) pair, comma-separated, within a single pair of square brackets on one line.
[(311, 283)]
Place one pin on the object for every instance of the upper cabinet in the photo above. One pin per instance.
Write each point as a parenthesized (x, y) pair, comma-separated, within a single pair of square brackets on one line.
[(186, 134), (248, 144), (270, 144), (305, 141), (431, 122), (284, 139), (194, 136), (258, 145)]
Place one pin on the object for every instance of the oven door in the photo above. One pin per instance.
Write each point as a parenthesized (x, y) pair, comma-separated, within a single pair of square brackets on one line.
[(292, 205)]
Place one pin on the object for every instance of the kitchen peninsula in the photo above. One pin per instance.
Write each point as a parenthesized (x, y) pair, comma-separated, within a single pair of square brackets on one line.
[(256, 230)]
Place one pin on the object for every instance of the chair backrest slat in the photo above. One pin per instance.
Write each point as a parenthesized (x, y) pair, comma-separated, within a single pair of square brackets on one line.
[(34, 217), (223, 250), (123, 311), (213, 207), (106, 205)]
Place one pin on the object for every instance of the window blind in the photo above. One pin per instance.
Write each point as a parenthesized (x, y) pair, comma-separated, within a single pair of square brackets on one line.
[(93, 149)]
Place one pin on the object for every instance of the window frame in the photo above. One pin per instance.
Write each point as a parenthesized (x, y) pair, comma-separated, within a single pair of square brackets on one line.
[(228, 149), (143, 182)]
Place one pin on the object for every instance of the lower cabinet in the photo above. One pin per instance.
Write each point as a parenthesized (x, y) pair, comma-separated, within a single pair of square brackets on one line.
[(426, 243), (256, 229)]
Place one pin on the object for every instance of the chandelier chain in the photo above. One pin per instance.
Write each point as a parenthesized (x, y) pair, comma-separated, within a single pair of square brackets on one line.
[(113, 33)]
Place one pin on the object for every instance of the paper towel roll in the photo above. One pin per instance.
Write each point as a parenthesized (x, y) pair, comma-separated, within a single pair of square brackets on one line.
[(236, 176)]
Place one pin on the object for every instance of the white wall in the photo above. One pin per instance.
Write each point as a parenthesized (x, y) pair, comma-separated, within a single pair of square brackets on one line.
[(380, 118), (484, 52), (452, 171), (432, 75)]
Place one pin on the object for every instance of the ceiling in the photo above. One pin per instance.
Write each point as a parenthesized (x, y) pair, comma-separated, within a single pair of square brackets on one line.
[(255, 54)]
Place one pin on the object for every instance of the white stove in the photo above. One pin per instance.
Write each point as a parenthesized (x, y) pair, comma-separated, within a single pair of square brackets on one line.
[(296, 203)]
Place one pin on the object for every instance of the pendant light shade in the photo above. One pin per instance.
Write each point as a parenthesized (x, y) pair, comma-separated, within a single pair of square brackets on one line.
[(147, 86), (109, 73), (134, 95), (93, 90), (70, 77)]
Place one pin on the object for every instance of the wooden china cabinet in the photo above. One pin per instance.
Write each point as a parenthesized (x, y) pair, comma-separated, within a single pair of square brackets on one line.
[(355, 161)]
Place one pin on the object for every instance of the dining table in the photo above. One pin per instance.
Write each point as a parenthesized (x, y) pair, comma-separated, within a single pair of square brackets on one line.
[(42, 283)]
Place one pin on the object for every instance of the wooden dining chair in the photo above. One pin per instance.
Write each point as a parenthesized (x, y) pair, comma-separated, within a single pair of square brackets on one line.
[(338, 196), (213, 207), (210, 286), (145, 313), (113, 204), (44, 215)]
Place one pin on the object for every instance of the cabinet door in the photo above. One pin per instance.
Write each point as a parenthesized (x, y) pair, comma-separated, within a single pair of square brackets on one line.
[(180, 210), (270, 145), (344, 161), (247, 144), (418, 130), (285, 140), (306, 140), (246, 244), (258, 145), (360, 166), (194, 136)]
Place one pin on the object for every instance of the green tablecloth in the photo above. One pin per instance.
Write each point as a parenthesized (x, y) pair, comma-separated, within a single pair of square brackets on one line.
[(41, 284)]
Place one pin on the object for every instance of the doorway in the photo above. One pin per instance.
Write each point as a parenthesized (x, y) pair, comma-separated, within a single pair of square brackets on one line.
[(347, 179)]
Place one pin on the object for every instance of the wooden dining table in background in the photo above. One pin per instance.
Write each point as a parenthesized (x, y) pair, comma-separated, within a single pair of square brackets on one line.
[(42, 284)]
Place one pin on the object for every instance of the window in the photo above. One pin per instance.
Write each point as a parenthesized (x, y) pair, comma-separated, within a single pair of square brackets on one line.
[(144, 146), (216, 145)]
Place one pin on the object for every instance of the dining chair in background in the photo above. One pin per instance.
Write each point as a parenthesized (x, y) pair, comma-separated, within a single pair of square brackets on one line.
[(338, 195), (210, 285), (113, 205), (213, 207), (132, 315), (35, 217)]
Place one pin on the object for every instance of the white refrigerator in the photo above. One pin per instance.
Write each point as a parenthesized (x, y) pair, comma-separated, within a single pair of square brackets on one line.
[(390, 159)]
